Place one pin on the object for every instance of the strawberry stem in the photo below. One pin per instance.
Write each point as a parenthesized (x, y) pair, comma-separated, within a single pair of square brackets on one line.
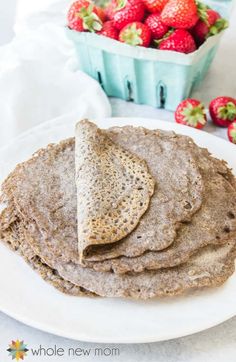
[(158, 41), (202, 12), (227, 112), (132, 35), (91, 21), (219, 25)]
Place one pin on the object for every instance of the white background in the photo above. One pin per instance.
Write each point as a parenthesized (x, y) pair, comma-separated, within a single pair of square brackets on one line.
[(217, 344)]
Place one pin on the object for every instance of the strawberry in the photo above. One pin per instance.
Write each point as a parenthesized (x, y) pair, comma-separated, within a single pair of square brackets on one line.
[(128, 11), (156, 26), (232, 132), (83, 16), (181, 14), (223, 111), (211, 17), (136, 33), (155, 6), (179, 40), (211, 25), (191, 112), (109, 30)]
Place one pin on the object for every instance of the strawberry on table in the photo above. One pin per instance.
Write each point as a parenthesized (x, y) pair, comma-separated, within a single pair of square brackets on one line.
[(83, 15), (232, 132), (155, 6), (109, 30), (128, 11), (223, 111), (181, 14), (136, 33), (156, 26), (210, 25), (191, 113), (179, 40)]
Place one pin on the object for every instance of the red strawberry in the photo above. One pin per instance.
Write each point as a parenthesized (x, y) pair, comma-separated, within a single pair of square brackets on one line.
[(128, 11), (156, 26), (182, 14), (155, 6), (211, 25), (232, 132), (211, 17), (136, 33), (223, 111), (191, 112), (179, 41), (83, 16), (109, 30)]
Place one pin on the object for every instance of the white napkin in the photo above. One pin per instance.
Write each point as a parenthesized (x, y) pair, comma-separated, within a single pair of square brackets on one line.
[(37, 81)]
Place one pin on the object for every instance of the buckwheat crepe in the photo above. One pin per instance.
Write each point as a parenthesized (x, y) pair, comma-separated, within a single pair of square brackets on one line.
[(208, 225), (194, 196), (214, 223), (51, 203), (114, 188), (14, 237), (211, 267)]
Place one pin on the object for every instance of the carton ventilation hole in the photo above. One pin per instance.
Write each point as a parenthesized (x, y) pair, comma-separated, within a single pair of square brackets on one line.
[(129, 91), (162, 96), (99, 77)]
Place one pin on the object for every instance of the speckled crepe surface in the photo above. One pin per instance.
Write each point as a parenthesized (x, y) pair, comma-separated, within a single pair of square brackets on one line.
[(52, 203), (114, 188), (211, 267), (48, 226), (214, 223), (14, 237)]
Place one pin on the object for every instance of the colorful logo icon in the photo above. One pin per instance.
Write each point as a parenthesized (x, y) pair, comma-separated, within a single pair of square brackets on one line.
[(17, 350)]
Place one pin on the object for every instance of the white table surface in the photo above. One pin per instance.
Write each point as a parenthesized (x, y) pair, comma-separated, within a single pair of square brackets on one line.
[(217, 344)]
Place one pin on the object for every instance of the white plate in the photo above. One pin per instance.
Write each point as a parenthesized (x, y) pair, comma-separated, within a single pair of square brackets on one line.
[(26, 297)]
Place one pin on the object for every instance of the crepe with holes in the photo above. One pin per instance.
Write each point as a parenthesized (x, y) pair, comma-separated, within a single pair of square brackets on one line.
[(40, 195), (44, 191), (214, 223), (211, 267), (114, 188)]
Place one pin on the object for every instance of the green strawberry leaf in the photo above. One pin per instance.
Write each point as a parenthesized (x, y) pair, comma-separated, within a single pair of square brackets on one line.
[(193, 115), (91, 21), (120, 4), (202, 11), (219, 25), (227, 112), (132, 35), (158, 41)]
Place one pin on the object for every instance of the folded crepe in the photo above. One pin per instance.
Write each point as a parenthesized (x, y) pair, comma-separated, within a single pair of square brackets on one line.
[(56, 210), (52, 203), (114, 188), (214, 223)]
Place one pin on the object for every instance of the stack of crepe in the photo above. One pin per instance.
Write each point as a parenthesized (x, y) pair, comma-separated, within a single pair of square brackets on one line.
[(123, 212)]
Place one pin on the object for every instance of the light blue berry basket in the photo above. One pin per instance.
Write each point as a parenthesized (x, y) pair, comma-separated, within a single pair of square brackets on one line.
[(158, 78)]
